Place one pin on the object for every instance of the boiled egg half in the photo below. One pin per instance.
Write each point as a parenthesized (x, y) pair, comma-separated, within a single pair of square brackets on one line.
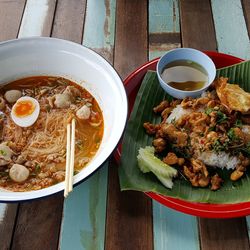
[(25, 111)]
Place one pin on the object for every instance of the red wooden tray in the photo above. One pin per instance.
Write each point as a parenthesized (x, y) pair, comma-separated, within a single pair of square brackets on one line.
[(132, 84)]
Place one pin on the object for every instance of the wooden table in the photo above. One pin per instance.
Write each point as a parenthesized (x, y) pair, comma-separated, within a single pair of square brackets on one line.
[(127, 33)]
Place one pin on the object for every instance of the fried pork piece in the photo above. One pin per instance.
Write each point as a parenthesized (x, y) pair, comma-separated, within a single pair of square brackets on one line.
[(150, 128), (232, 96), (159, 108), (216, 182), (159, 145), (240, 168), (170, 132), (172, 159), (197, 173)]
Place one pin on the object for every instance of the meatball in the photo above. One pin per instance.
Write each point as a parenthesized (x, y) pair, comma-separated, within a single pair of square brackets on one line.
[(83, 113), (19, 173), (12, 96), (73, 91), (62, 100), (5, 152)]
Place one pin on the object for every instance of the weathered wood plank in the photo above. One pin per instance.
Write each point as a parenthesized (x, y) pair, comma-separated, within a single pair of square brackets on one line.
[(223, 234), (174, 230), (246, 10), (170, 227), (38, 224), (230, 27), (129, 221), (37, 18), (164, 27), (99, 28), (8, 214), (69, 19), (197, 24), (131, 35), (83, 225), (10, 17)]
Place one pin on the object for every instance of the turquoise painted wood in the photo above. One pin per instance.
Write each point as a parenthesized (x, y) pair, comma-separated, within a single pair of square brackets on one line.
[(229, 19), (83, 224), (172, 230), (248, 225), (84, 215), (99, 29), (163, 18), (231, 32)]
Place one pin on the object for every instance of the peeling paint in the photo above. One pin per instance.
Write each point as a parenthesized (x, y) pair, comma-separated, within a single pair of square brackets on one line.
[(107, 18)]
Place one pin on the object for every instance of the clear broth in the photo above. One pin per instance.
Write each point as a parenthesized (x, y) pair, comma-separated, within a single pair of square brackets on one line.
[(185, 75)]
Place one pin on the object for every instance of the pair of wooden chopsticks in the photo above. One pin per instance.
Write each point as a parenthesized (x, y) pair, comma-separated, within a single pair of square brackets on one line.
[(70, 157)]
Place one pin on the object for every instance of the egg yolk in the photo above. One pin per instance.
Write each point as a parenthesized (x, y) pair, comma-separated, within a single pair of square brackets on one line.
[(24, 108)]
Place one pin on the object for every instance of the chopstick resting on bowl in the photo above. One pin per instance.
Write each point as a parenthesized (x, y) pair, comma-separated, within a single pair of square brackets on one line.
[(70, 157)]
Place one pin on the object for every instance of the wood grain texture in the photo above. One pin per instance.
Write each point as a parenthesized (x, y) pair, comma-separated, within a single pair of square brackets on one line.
[(197, 25), (99, 27), (38, 224), (84, 214), (221, 234), (230, 27), (174, 230), (37, 18), (164, 27), (246, 10), (10, 17), (69, 19), (129, 221), (8, 214), (131, 35)]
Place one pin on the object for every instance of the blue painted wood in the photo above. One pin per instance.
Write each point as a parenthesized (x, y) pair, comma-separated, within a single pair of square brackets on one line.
[(99, 27), (83, 224), (84, 216), (163, 16), (172, 230), (230, 27), (163, 19)]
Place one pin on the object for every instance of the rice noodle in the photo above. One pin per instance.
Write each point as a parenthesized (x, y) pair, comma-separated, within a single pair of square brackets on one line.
[(51, 137)]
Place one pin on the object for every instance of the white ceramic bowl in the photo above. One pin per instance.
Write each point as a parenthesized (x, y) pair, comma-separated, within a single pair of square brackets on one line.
[(190, 55), (49, 56)]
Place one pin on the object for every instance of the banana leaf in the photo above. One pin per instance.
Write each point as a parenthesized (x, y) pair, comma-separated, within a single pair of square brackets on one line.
[(131, 178)]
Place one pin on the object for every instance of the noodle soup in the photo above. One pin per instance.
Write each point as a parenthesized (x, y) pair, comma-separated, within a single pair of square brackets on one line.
[(34, 115)]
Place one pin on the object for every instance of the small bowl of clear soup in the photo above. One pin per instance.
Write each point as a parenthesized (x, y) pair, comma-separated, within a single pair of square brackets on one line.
[(185, 72)]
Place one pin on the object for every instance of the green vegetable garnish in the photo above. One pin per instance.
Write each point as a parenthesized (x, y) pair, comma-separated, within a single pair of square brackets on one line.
[(148, 162), (221, 117), (2, 152)]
